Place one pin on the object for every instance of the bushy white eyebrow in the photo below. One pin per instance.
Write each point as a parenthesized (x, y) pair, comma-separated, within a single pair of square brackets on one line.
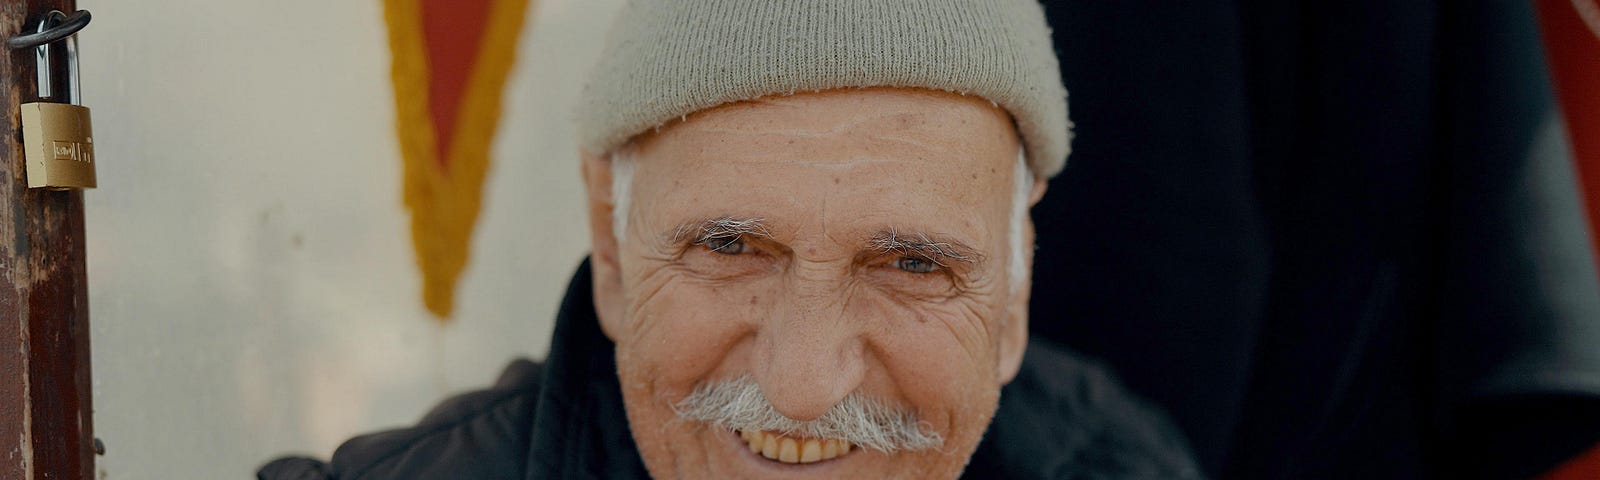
[(924, 245), (698, 232)]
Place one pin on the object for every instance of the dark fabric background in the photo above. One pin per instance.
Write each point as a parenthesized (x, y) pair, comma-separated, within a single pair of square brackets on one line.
[(1333, 239)]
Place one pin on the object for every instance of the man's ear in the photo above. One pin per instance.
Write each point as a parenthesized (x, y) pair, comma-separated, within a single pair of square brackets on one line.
[(1014, 334), (607, 273), (1037, 193)]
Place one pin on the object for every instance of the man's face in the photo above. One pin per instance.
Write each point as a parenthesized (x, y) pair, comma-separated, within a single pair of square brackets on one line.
[(843, 247)]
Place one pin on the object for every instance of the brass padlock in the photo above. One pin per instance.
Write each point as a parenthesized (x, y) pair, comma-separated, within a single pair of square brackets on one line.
[(58, 144)]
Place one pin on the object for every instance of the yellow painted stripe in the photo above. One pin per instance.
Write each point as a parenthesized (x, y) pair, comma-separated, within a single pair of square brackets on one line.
[(444, 205)]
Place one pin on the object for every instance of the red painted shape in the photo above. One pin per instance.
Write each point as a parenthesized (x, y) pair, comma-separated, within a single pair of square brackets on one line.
[(452, 31), (1573, 50), (1584, 467)]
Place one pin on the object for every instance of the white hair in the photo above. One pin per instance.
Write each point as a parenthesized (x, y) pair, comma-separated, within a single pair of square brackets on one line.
[(622, 167), (738, 404), (1021, 190)]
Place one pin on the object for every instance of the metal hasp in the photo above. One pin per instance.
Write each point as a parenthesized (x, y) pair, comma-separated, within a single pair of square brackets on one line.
[(46, 419)]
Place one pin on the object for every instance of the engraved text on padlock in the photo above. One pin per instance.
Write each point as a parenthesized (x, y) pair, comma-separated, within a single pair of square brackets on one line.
[(59, 145)]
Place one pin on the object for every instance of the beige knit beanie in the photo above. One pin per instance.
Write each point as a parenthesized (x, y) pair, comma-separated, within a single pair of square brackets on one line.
[(665, 59)]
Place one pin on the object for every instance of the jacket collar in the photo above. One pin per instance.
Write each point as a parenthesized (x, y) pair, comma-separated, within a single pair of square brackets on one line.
[(580, 429)]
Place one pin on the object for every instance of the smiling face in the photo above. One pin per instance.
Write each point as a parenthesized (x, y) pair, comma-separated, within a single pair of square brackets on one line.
[(813, 286)]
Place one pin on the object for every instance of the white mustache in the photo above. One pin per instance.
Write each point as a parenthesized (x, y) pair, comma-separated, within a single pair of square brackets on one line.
[(738, 404)]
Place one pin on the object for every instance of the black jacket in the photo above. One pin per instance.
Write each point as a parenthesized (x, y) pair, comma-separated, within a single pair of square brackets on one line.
[(1064, 417), (1334, 240)]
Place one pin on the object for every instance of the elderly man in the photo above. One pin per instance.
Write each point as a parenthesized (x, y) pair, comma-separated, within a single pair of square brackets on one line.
[(811, 258)]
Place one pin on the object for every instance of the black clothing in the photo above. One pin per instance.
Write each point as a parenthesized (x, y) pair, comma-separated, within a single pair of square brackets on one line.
[(1062, 418), (1334, 240)]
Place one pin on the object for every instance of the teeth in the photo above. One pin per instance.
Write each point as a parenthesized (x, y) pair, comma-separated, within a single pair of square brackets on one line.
[(793, 450), (788, 451), (769, 446), (811, 452), (754, 440)]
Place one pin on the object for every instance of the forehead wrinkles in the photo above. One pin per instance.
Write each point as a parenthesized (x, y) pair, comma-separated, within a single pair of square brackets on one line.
[(821, 162), (836, 106), (904, 134), (817, 204), (915, 118)]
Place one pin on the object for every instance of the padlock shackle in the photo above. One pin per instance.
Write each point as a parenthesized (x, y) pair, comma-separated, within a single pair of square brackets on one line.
[(51, 22), (74, 95)]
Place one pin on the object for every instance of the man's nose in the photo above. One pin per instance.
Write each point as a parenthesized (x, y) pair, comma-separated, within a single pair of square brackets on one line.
[(810, 356)]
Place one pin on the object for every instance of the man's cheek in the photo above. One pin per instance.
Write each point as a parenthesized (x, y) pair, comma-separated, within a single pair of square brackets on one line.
[(694, 330), (952, 340), (961, 330)]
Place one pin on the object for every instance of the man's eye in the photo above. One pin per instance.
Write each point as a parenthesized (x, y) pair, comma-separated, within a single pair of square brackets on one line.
[(915, 264), (727, 245)]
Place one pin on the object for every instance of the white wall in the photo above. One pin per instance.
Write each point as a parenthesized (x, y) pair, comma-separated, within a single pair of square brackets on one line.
[(252, 285)]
